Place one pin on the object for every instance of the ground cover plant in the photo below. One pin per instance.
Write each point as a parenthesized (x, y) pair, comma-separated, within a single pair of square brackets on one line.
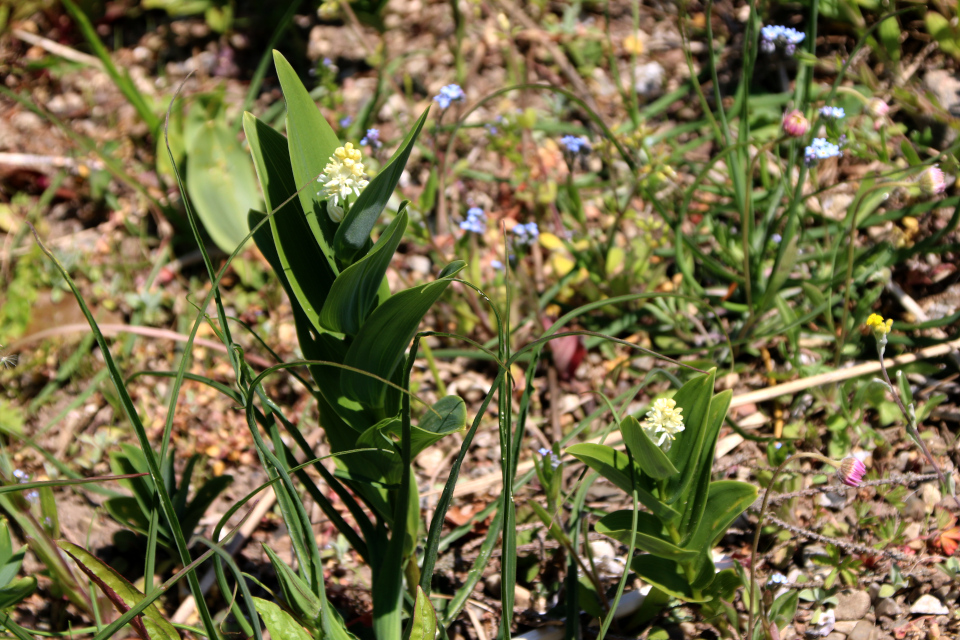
[(473, 319)]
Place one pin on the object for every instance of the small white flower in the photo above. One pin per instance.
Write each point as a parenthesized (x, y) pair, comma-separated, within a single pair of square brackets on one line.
[(663, 422), (343, 175)]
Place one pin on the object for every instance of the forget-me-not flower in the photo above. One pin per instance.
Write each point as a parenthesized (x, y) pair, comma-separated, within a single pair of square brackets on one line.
[(820, 149), (448, 94), (476, 221), (832, 113), (527, 233), (575, 144), (774, 36), (372, 138)]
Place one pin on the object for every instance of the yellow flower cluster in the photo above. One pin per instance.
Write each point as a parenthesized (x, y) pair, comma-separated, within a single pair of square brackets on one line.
[(878, 325), (343, 174)]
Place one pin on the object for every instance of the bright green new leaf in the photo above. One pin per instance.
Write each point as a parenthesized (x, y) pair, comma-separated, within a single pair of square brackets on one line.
[(303, 262), (727, 500), (354, 232), (424, 625), (696, 494), (383, 339), (150, 625), (943, 32), (16, 591), (311, 142), (221, 184), (10, 560), (649, 457), (353, 295), (615, 466), (666, 575), (279, 623), (617, 525), (297, 593), (693, 399)]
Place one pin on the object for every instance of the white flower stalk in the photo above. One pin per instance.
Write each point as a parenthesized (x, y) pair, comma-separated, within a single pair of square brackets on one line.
[(343, 175), (663, 422)]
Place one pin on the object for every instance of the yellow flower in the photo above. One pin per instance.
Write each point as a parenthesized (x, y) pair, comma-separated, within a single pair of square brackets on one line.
[(878, 325), (663, 421), (343, 174)]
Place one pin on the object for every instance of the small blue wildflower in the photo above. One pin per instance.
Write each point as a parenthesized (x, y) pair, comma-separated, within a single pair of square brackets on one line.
[(448, 94), (496, 264), (372, 138), (476, 221), (832, 113), (547, 454), (491, 129), (777, 239), (774, 36), (575, 144), (527, 233), (327, 62), (345, 121), (777, 578), (820, 149), (33, 496), (21, 475)]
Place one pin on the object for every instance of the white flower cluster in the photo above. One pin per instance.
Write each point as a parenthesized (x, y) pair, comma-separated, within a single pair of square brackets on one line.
[(342, 176), (663, 422)]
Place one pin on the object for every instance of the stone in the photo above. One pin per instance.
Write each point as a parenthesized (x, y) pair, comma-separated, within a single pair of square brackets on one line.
[(835, 636), (888, 607), (928, 605), (845, 626), (853, 605), (863, 631)]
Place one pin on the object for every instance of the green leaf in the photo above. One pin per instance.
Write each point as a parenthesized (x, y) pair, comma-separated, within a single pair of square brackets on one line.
[(354, 232), (382, 341), (552, 524), (296, 592), (280, 624), (617, 526), (725, 585), (16, 591), (696, 495), (786, 260), (302, 260), (614, 466), (693, 399), (150, 625), (889, 34), (221, 184), (10, 560), (727, 500), (452, 269), (649, 457), (943, 32), (353, 295), (311, 142), (424, 625), (666, 575)]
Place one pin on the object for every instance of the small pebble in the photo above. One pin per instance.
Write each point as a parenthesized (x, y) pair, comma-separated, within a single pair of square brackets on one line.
[(928, 605), (853, 605)]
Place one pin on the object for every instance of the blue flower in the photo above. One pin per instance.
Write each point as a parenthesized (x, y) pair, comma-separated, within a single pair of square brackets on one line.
[(476, 221), (345, 121), (372, 138), (575, 144), (832, 113), (327, 62), (820, 149), (777, 238), (496, 264), (527, 233), (448, 94), (774, 36)]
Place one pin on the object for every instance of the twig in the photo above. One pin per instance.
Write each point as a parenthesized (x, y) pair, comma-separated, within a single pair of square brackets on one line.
[(843, 544), (65, 52)]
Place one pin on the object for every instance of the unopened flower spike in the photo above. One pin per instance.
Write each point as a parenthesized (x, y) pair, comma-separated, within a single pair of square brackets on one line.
[(344, 175), (932, 182), (663, 422), (795, 124)]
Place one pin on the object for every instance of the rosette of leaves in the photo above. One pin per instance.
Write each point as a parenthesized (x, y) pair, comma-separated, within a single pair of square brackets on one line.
[(356, 333), (686, 513)]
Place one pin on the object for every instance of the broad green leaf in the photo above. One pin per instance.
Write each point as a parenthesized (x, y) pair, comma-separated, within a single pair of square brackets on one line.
[(943, 32), (452, 269), (727, 500), (16, 591), (615, 466), (666, 575), (126, 511), (221, 184), (889, 34), (693, 399), (383, 339), (649, 457), (424, 625), (10, 560), (303, 263), (150, 625), (354, 231), (280, 624), (784, 608), (296, 592), (725, 585), (617, 526), (353, 295), (311, 142), (697, 492)]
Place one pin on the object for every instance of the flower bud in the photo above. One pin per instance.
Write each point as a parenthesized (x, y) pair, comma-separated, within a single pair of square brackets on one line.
[(851, 471), (877, 108), (932, 182), (795, 124)]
